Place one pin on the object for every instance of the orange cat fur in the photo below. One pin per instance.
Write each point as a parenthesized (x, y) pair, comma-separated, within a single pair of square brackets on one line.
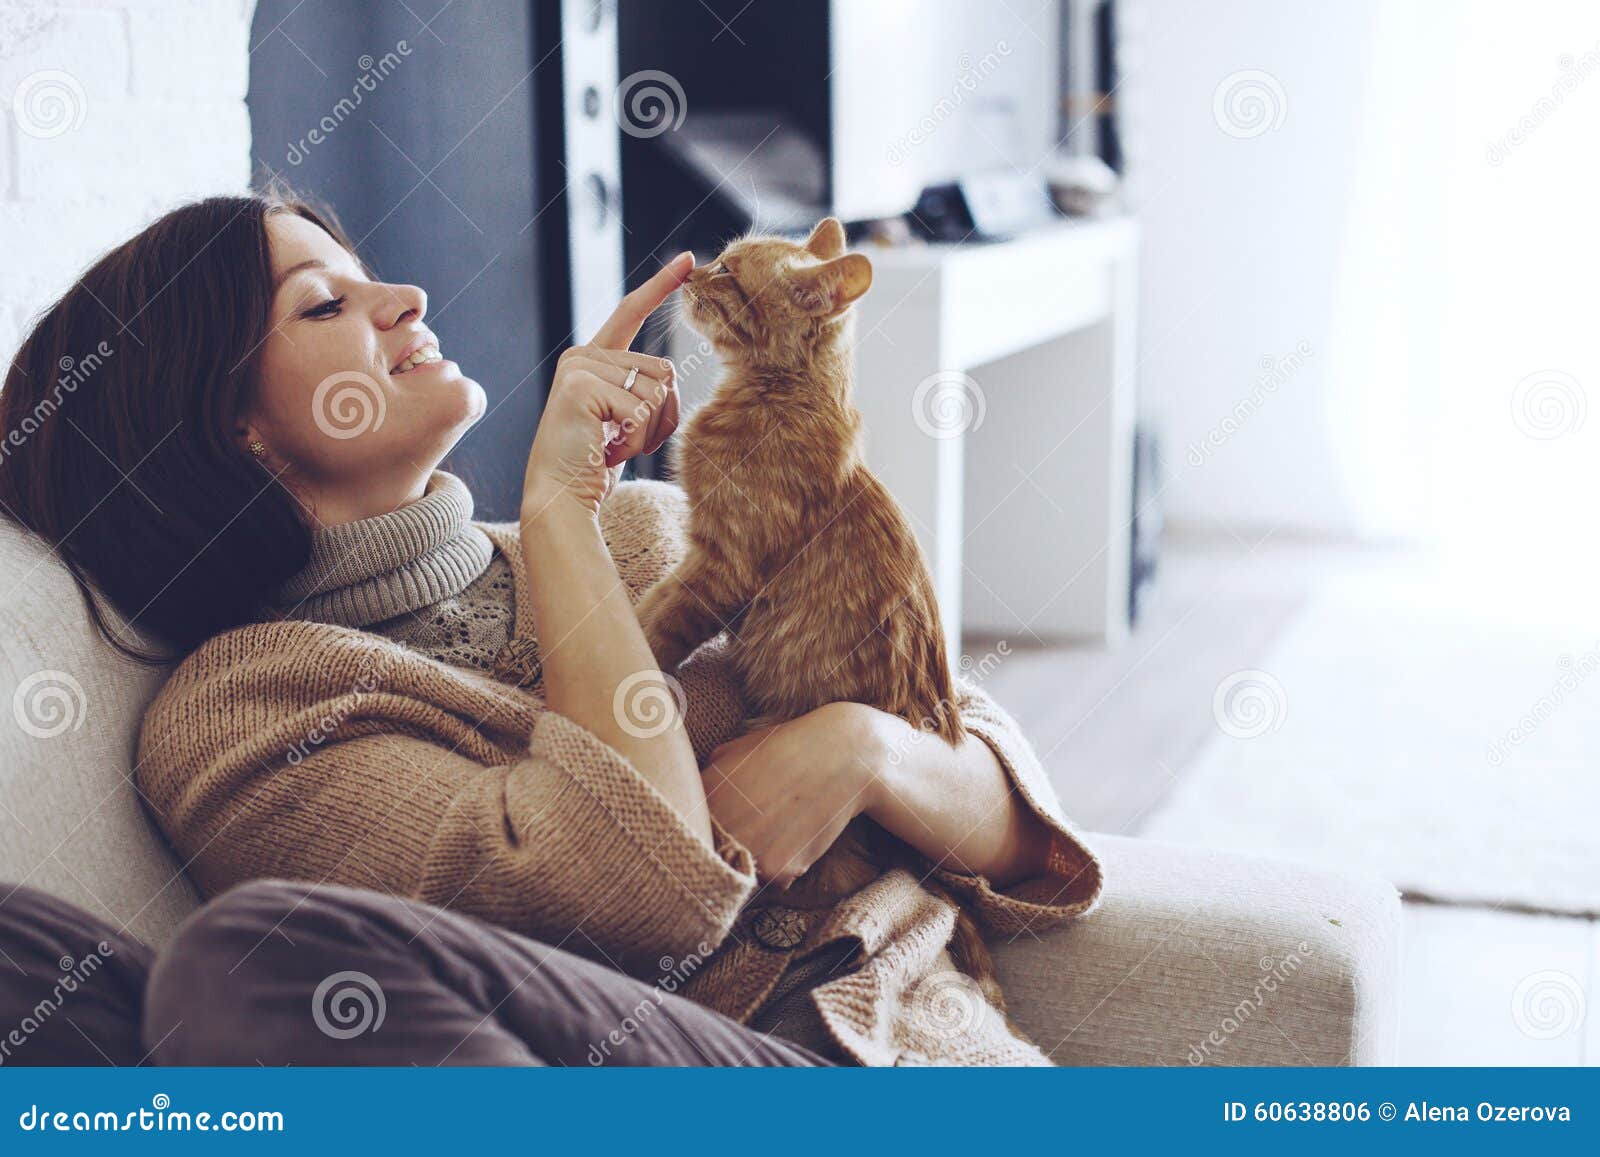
[(795, 546)]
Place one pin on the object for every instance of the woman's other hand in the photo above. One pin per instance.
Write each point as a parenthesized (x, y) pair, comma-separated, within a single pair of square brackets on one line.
[(590, 423), (786, 792)]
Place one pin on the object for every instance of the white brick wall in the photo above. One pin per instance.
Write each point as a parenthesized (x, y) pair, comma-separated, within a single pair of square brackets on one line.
[(111, 112)]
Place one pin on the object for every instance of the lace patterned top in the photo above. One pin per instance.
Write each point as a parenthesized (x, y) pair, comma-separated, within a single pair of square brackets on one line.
[(425, 576)]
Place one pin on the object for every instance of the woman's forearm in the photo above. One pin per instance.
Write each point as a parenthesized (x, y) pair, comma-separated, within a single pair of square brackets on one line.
[(956, 806), (591, 644)]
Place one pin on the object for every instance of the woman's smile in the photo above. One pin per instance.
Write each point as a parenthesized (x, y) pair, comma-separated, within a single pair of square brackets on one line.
[(421, 351)]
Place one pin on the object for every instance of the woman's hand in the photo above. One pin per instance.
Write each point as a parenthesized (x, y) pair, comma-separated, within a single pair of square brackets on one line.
[(590, 423), (591, 646), (787, 792)]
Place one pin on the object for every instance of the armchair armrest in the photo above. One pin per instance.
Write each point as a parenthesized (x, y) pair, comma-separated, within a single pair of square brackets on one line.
[(1204, 957)]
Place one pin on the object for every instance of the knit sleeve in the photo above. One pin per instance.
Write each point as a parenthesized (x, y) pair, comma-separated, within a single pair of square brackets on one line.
[(573, 846), (413, 795), (1071, 884)]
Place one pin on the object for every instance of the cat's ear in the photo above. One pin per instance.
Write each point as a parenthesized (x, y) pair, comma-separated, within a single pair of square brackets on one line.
[(826, 289), (827, 239)]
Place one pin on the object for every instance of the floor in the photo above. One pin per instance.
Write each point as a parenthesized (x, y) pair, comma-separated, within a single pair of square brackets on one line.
[(1117, 728)]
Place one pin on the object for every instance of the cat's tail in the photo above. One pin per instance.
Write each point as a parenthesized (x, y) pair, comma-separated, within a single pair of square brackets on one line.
[(970, 954)]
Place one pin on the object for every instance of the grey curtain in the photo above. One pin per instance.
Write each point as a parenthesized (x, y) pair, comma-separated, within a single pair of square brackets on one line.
[(417, 122)]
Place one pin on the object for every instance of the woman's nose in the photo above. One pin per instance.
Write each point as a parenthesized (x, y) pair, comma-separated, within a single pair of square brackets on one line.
[(403, 303)]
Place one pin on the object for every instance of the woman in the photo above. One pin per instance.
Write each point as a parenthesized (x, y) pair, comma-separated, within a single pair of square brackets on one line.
[(379, 692)]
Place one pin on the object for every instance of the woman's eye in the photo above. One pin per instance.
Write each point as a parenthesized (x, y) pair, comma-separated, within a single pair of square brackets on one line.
[(327, 309)]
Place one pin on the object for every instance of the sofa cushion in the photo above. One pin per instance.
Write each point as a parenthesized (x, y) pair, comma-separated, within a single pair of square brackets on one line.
[(71, 822), (1202, 957)]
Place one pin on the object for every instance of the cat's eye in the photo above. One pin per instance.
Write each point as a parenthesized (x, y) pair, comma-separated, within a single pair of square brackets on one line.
[(721, 270)]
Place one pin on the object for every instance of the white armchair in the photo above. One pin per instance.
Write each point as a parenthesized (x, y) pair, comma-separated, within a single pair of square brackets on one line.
[(1193, 956), (1202, 957)]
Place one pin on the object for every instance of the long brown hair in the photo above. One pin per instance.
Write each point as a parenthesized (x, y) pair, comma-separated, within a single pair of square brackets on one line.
[(118, 423)]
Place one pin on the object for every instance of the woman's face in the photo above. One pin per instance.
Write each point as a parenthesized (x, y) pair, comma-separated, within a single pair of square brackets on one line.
[(355, 404)]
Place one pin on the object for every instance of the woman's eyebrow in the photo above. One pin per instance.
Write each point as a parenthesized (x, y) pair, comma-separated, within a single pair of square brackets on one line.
[(313, 263)]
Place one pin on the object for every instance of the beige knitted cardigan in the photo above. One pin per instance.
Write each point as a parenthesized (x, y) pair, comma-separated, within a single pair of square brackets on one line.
[(318, 752)]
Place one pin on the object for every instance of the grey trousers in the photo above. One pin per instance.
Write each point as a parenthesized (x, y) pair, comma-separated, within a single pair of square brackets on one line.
[(277, 973)]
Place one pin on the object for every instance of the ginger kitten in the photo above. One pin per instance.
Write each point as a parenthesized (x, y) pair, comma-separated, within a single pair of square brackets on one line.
[(794, 545)]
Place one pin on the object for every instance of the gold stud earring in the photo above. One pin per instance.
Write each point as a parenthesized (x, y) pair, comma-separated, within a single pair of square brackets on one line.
[(257, 448)]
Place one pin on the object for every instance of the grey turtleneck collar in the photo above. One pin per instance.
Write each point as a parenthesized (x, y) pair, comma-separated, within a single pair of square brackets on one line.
[(373, 569)]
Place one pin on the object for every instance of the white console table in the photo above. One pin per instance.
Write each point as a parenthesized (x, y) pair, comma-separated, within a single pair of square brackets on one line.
[(996, 383)]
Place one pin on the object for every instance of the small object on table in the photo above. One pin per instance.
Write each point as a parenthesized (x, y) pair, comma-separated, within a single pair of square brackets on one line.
[(1084, 186), (983, 207)]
